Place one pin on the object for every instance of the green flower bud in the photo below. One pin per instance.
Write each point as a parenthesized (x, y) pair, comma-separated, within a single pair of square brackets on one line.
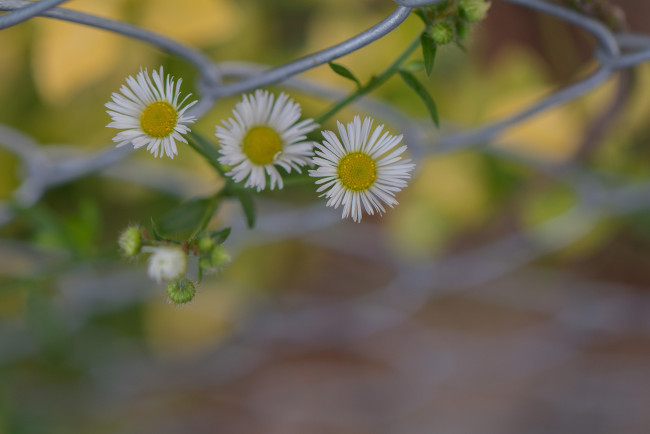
[(130, 241), (474, 10), (219, 257), (442, 33), (205, 244), (181, 291), (205, 264)]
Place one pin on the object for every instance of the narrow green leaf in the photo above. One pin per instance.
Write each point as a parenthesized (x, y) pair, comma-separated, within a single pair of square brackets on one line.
[(429, 49), (422, 16), (344, 72), (372, 84), (414, 84), (247, 204), (206, 149), (219, 236)]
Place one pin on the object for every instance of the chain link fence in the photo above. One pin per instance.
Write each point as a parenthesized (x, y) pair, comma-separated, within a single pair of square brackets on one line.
[(491, 336)]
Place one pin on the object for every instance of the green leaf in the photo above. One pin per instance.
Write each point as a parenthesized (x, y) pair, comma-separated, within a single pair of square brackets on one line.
[(429, 49), (422, 16), (414, 84), (191, 217), (219, 236), (206, 149), (247, 204), (344, 72)]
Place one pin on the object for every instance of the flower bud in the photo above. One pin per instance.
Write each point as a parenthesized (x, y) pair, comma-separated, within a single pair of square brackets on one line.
[(205, 244), (474, 10), (166, 263), (205, 264), (181, 291), (130, 241), (442, 33), (219, 257)]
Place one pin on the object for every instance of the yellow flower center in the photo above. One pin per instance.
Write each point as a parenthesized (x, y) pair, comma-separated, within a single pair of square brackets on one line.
[(159, 119), (261, 144), (357, 171)]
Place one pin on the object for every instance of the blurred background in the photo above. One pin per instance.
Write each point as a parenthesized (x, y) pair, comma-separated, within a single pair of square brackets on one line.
[(500, 296)]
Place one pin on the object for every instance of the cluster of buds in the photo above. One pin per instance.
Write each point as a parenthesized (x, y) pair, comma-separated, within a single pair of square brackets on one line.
[(213, 256), (168, 259), (450, 21)]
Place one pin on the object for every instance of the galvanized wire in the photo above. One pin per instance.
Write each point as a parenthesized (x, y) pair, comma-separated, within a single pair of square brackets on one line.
[(388, 307)]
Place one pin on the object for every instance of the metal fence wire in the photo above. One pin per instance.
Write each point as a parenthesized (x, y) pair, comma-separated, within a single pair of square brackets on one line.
[(573, 354)]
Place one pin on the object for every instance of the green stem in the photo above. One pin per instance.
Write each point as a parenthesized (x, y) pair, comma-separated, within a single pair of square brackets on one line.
[(207, 215), (207, 150), (374, 83)]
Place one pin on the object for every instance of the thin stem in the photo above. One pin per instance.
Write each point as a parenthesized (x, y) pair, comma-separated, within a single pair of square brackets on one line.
[(374, 82), (207, 150), (207, 215)]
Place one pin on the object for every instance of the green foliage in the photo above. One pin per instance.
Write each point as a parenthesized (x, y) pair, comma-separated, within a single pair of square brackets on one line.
[(344, 72), (245, 198), (76, 232), (188, 219), (207, 149), (429, 49), (218, 236), (422, 92), (372, 84), (462, 31)]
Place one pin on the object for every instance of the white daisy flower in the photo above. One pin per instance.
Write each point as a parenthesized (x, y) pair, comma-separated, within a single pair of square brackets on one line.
[(363, 171), (166, 263), (264, 134), (149, 112)]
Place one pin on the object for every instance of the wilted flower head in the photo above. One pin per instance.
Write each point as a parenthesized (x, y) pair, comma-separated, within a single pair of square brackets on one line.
[(166, 263)]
